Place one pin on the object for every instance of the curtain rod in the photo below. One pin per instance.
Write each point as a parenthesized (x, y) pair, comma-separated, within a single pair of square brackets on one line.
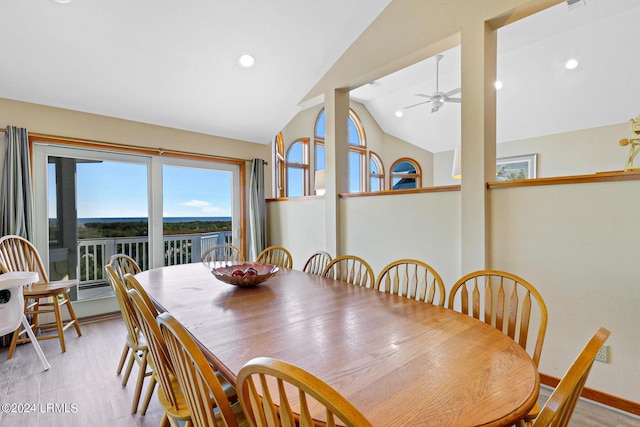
[(160, 151)]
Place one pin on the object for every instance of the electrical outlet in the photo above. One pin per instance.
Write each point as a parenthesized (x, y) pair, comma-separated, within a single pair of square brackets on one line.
[(603, 354)]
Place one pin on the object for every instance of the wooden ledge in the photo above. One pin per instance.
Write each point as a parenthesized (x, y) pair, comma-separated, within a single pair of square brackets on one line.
[(439, 189), (574, 179)]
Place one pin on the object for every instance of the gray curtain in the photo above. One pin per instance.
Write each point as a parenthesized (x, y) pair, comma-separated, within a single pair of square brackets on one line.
[(257, 210), (16, 198)]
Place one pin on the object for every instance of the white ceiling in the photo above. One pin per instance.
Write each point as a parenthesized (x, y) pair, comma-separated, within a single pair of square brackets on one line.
[(539, 96), (174, 64)]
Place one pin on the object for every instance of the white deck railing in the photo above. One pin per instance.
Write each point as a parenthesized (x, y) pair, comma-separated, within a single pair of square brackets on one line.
[(178, 249)]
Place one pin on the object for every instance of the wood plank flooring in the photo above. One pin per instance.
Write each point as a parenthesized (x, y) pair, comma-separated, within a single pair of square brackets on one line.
[(83, 384)]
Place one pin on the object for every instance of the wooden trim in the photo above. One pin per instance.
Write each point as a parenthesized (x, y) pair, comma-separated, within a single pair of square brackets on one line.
[(439, 189), (132, 149), (574, 179), (99, 317), (598, 396), (421, 190), (293, 199)]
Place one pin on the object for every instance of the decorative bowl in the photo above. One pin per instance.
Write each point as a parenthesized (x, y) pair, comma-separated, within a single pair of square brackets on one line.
[(245, 275)]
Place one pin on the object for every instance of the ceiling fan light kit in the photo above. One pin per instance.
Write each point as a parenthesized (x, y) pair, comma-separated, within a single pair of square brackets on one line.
[(437, 98)]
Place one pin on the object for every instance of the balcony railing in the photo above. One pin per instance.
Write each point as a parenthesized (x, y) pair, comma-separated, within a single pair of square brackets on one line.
[(178, 249)]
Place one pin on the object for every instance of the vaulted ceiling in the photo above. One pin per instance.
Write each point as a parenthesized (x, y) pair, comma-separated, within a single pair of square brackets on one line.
[(175, 65)]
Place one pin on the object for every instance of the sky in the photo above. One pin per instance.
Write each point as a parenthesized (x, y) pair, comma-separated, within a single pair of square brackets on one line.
[(110, 189)]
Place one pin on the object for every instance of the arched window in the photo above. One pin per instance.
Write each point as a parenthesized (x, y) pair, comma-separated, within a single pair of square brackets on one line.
[(278, 181), (405, 173), (376, 173), (298, 168), (357, 150)]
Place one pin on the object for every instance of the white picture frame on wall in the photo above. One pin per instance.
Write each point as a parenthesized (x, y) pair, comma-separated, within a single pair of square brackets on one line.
[(517, 167)]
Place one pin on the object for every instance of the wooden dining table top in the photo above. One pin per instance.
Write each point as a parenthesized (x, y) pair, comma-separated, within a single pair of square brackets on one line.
[(401, 362)]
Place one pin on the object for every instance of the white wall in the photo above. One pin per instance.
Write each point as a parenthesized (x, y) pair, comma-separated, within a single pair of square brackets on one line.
[(424, 226), (577, 244), (298, 224)]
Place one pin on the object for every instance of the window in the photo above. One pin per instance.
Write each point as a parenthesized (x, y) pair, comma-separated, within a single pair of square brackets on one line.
[(298, 168), (278, 180), (405, 173), (376, 173), (160, 210), (357, 150)]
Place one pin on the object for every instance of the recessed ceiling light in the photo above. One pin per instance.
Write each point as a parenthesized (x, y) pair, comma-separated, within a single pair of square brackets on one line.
[(246, 61), (399, 113), (571, 64), (62, 1), (497, 84)]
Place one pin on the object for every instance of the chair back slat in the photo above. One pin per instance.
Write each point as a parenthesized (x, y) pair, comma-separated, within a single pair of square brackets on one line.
[(351, 269), (317, 263), (198, 381), (222, 253), (511, 305), (19, 254), (412, 279), (276, 255), (126, 308), (123, 264), (301, 397), (162, 367)]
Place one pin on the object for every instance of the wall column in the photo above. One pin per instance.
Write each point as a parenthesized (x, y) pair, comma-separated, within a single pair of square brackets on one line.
[(336, 107), (478, 141)]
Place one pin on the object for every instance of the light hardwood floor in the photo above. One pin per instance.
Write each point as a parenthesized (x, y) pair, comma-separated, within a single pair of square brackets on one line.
[(83, 384)]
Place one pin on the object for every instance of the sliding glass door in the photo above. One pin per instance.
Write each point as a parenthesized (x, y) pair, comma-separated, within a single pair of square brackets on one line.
[(92, 204)]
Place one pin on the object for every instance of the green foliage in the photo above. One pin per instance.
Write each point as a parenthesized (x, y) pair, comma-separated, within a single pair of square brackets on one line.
[(95, 230)]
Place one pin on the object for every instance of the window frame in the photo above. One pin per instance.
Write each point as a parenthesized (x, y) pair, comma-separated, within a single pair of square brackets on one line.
[(373, 156), (417, 175), (304, 167)]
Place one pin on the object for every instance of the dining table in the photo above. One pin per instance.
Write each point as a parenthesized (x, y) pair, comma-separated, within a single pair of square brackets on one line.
[(400, 361)]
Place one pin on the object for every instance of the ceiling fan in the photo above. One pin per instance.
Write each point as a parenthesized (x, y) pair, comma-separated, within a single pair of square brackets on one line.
[(437, 98)]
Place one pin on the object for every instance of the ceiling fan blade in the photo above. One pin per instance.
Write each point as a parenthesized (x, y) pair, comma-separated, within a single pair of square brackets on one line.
[(424, 96), (452, 92), (457, 100), (419, 103)]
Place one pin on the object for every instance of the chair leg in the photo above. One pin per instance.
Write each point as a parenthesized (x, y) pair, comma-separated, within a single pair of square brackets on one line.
[(34, 341), (164, 421), (147, 397), (14, 342), (59, 325), (123, 358), (132, 358), (72, 314), (139, 383)]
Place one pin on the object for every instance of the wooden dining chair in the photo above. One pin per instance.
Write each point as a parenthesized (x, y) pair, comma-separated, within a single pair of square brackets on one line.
[(169, 392), (508, 303), (197, 378), (276, 255), (44, 297), (135, 345), (351, 269), (123, 264), (317, 263), (224, 252), (412, 279), (290, 398), (560, 405)]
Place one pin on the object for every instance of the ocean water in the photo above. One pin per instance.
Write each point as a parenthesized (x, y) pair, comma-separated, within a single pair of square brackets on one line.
[(168, 219)]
